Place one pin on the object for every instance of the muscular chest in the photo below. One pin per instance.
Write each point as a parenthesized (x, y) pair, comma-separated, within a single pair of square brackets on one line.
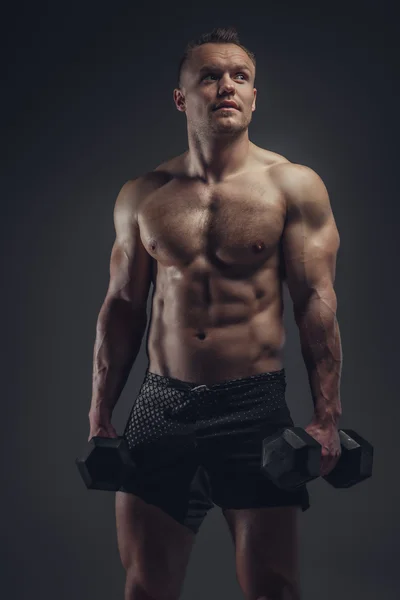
[(230, 225)]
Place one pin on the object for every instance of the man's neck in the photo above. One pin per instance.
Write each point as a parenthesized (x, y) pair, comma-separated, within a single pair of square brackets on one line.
[(215, 159)]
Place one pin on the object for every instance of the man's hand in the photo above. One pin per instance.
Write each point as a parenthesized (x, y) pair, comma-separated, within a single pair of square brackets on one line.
[(100, 425), (328, 437)]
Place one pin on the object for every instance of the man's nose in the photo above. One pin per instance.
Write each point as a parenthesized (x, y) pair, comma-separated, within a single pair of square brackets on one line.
[(226, 85)]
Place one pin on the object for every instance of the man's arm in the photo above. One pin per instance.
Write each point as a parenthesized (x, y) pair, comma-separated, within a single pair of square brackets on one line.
[(310, 243), (123, 318)]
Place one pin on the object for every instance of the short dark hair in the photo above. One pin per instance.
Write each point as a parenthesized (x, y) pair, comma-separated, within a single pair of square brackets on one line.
[(219, 35)]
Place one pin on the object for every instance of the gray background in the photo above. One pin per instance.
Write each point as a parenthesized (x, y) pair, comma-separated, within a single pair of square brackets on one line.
[(88, 105)]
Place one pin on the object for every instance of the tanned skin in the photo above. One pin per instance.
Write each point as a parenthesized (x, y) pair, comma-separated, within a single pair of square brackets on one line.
[(219, 230)]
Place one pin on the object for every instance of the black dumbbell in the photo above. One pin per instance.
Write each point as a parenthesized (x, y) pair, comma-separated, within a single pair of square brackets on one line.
[(293, 457), (107, 463)]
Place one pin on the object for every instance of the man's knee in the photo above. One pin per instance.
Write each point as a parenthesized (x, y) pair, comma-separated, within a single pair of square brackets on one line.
[(280, 596), (285, 593), (136, 588), (275, 587)]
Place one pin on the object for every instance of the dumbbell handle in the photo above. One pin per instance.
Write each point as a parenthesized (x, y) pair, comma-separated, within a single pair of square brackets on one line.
[(292, 457)]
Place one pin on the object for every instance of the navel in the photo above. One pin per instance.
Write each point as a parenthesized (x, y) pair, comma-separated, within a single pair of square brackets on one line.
[(213, 206)]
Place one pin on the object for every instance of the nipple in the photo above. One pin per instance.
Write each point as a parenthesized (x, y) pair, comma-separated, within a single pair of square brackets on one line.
[(258, 246), (153, 245)]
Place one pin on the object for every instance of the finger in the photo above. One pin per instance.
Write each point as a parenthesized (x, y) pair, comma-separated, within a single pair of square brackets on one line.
[(328, 465), (325, 464)]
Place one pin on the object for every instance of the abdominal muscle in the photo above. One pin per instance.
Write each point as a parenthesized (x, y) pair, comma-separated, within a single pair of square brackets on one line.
[(211, 343)]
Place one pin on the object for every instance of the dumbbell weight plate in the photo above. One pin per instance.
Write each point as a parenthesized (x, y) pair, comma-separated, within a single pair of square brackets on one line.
[(355, 462), (291, 458), (106, 463)]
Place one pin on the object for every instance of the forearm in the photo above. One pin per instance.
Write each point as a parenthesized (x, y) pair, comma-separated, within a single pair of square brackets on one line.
[(322, 354), (119, 335)]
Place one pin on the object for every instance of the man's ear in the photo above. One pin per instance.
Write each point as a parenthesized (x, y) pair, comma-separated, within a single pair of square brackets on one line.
[(179, 100), (254, 100)]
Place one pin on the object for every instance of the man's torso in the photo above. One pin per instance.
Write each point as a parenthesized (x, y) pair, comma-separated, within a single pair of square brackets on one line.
[(217, 305)]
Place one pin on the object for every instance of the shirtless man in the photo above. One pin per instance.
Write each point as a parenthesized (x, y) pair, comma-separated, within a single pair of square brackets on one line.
[(218, 230)]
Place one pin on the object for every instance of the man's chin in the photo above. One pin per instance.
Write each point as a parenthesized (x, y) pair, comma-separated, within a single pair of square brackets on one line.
[(226, 128)]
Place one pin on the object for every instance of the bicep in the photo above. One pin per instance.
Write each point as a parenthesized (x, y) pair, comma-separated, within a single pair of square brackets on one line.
[(130, 263), (310, 240)]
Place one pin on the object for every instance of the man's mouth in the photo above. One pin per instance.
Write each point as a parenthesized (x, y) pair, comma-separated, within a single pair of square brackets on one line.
[(227, 105)]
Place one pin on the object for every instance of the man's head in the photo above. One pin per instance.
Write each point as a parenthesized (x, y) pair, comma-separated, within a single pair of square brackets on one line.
[(215, 69)]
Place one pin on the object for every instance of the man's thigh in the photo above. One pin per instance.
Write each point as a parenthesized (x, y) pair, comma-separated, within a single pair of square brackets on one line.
[(154, 547), (266, 549), (262, 517)]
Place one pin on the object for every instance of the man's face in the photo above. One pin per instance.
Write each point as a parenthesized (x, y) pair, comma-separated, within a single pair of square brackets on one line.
[(213, 74)]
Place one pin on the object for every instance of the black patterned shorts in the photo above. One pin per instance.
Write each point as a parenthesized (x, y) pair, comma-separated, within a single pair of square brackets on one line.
[(196, 446)]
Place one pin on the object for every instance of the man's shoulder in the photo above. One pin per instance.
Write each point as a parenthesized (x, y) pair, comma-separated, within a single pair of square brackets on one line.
[(173, 166), (136, 189), (290, 172), (268, 158), (286, 174), (298, 183)]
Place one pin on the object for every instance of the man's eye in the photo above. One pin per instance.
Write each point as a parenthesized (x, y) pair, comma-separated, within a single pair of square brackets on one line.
[(212, 75)]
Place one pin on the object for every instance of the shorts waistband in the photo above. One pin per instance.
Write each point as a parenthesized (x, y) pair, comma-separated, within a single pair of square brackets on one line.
[(268, 376)]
